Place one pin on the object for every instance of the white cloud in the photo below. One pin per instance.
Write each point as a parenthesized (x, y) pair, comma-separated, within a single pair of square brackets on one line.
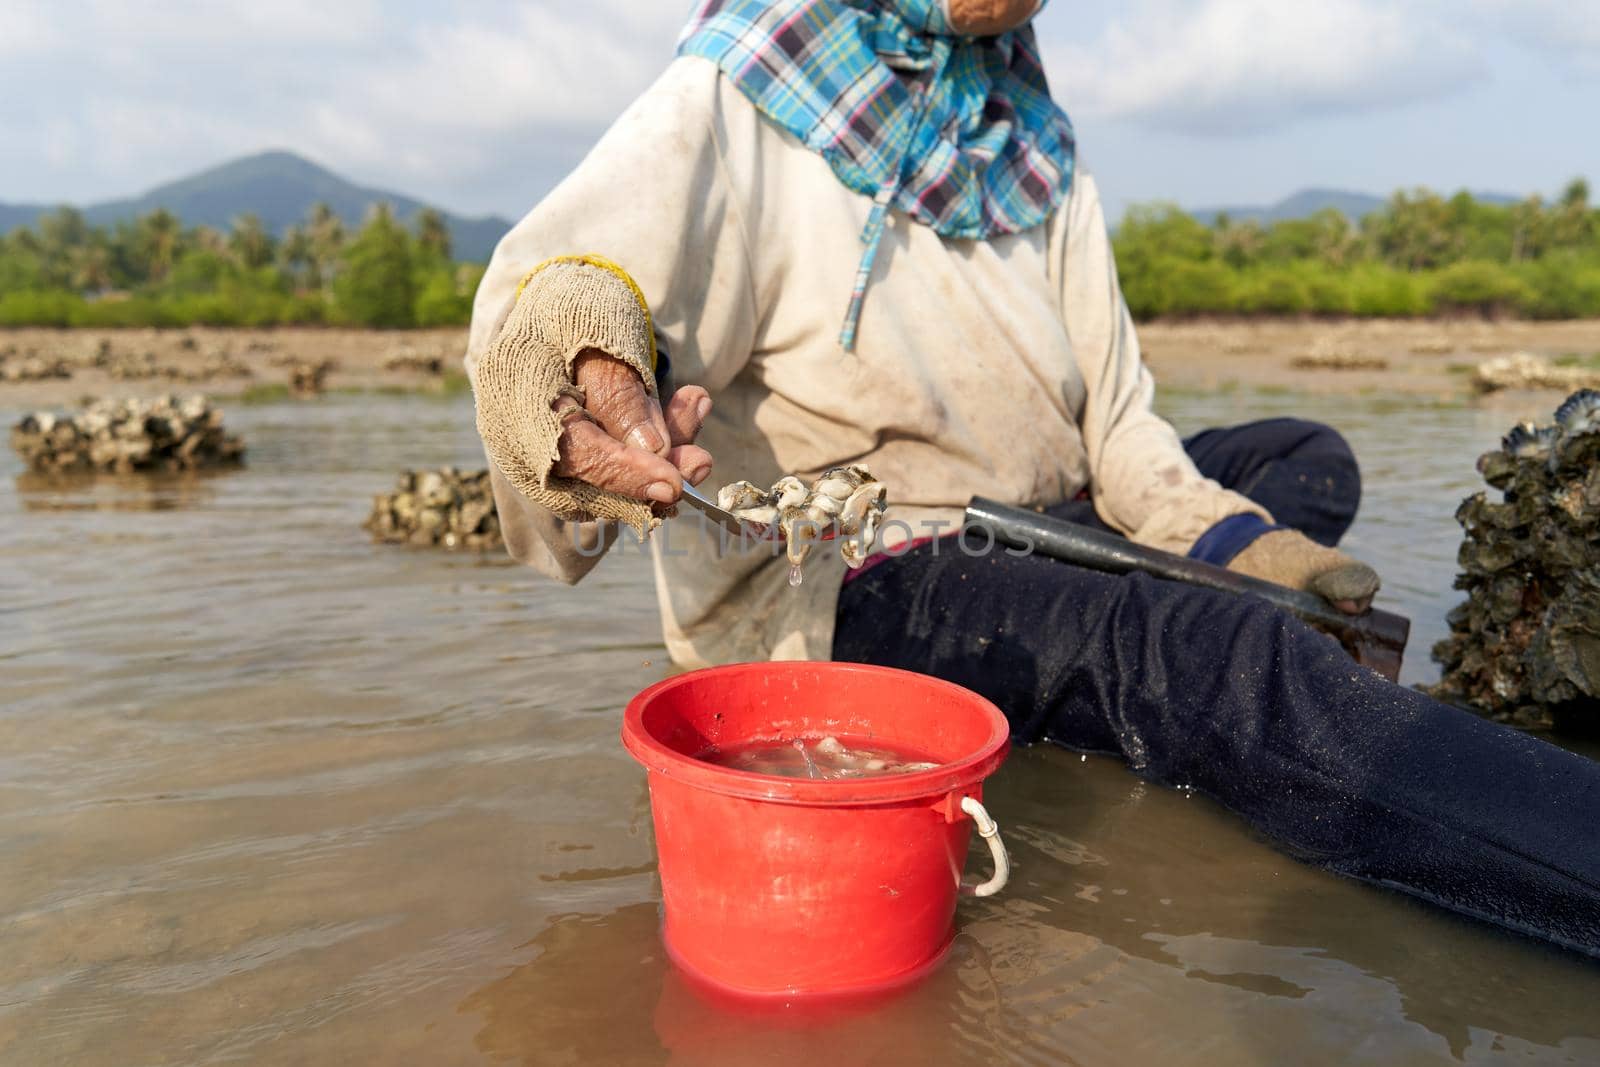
[(480, 105), (1246, 66), (416, 101), (464, 96), (26, 28), (1551, 26), (227, 24)]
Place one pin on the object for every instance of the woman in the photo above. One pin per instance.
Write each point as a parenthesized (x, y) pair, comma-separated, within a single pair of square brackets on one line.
[(862, 228)]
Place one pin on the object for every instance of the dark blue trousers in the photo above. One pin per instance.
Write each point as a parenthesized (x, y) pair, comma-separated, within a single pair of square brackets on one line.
[(1230, 696)]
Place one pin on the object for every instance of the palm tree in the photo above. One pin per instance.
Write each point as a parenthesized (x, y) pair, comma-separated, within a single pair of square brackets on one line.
[(1334, 240), (326, 232), (297, 255), (1238, 243), (250, 242), (209, 239), (61, 232), (1572, 223), (1529, 228), (160, 236), (91, 266), (1414, 232), (433, 235), (377, 283)]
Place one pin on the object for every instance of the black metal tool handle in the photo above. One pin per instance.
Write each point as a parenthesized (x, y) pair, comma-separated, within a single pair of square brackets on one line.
[(1375, 638)]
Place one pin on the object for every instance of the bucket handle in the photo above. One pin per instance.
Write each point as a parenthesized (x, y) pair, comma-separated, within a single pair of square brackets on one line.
[(989, 830)]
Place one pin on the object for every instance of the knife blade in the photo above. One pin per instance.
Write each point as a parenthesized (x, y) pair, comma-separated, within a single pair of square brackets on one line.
[(728, 520)]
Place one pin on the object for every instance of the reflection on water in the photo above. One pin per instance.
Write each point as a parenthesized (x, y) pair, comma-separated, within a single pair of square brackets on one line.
[(83, 491), (1164, 947), (271, 794)]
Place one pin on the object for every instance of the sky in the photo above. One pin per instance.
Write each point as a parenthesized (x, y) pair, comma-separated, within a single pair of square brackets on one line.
[(481, 106)]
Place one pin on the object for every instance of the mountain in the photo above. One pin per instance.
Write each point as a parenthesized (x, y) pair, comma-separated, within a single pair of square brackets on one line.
[(14, 215), (1308, 202), (280, 187)]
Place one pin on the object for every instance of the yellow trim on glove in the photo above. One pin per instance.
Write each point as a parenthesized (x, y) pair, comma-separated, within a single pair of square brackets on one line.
[(606, 265)]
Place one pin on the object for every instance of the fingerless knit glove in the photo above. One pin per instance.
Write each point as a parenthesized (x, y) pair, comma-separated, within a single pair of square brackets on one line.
[(563, 307)]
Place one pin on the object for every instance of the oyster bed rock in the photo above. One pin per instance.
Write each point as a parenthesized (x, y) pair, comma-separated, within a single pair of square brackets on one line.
[(412, 360), (27, 365), (164, 433), (445, 507), (1524, 646), (132, 366), (1332, 359), (310, 379), (1524, 370)]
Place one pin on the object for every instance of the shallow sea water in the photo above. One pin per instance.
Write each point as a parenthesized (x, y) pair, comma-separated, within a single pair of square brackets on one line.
[(272, 794)]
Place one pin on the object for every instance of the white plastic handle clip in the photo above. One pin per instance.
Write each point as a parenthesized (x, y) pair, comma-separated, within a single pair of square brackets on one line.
[(989, 830)]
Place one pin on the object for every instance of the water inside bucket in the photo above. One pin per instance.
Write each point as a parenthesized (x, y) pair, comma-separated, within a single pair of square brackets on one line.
[(822, 758)]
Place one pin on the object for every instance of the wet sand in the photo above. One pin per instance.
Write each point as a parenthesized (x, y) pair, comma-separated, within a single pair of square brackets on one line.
[(1429, 359), (358, 359), (273, 794)]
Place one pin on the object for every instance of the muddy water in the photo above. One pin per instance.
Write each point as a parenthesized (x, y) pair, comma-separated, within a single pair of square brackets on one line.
[(269, 794)]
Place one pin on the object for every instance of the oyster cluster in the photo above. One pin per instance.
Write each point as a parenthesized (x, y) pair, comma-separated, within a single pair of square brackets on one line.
[(1338, 359), (845, 502), (1524, 647), (445, 507), (410, 359), (28, 365), (1524, 370), (125, 365), (310, 379), (164, 433)]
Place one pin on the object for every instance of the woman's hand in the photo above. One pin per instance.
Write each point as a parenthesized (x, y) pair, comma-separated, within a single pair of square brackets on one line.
[(621, 439)]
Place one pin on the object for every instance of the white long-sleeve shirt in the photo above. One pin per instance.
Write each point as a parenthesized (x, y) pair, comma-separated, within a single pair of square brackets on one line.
[(1006, 368)]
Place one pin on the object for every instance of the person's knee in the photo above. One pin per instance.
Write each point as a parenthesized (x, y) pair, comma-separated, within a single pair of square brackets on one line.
[(1322, 441), (1328, 459), (1307, 476)]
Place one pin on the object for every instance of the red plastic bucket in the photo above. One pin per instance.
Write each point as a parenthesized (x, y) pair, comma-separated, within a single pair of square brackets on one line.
[(791, 886)]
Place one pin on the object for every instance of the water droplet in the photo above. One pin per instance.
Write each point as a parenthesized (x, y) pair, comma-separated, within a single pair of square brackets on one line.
[(794, 575)]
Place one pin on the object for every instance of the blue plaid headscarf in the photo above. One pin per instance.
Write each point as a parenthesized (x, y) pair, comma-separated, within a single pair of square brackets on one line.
[(958, 132)]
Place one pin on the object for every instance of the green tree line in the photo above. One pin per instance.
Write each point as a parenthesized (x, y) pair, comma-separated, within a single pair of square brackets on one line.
[(154, 271), (1421, 254)]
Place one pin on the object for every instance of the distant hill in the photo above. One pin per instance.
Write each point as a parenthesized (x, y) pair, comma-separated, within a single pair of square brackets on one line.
[(14, 215), (1308, 202), (280, 187)]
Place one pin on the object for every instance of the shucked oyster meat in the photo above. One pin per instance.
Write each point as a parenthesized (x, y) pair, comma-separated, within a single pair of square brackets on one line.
[(846, 503)]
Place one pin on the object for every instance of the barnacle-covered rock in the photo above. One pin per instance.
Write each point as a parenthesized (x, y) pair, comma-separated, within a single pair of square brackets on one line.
[(1525, 370), (1524, 647), (310, 379), (217, 363), (29, 365), (406, 358), (164, 433), (126, 365), (1338, 359), (445, 508)]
